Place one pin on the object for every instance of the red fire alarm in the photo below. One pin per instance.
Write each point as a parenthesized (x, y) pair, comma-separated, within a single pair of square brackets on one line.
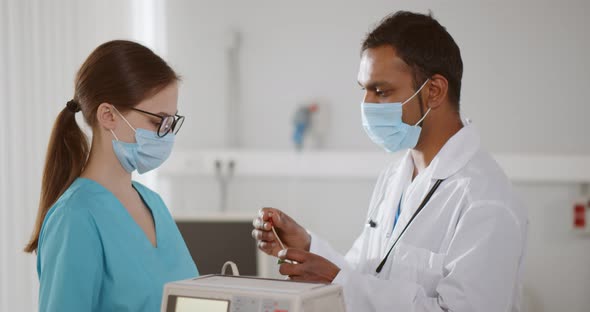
[(579, 216)]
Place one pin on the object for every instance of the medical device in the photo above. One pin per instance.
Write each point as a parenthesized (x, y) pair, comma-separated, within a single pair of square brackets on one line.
[(223, 293)]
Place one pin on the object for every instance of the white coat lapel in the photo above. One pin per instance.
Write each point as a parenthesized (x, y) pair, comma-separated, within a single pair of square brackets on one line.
[(412, 198), (451, 158), (390, 204)]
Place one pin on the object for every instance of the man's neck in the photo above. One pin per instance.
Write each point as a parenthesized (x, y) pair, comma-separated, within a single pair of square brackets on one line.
[(432, 141)]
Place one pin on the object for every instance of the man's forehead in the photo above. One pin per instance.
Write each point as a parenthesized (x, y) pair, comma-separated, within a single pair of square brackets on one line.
[(381, 63)]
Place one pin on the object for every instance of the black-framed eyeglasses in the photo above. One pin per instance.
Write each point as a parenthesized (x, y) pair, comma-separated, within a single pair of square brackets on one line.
[(167, 123)]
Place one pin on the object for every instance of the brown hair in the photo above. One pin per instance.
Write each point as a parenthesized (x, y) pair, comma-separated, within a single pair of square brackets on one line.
[(121, 73)]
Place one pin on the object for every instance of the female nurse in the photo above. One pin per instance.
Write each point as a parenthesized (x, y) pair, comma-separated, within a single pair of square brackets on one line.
[(103, 241)]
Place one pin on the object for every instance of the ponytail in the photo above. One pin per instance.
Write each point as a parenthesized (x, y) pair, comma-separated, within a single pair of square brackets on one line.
[(66, 157)]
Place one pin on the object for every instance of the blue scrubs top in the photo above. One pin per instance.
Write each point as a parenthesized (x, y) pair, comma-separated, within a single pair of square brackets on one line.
[(93, 256)]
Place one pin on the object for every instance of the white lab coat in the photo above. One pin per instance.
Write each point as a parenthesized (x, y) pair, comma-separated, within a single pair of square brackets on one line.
[(463, 253)]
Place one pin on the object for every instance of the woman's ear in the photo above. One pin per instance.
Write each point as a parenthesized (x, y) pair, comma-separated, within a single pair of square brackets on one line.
[(437, 88), (106, 116)]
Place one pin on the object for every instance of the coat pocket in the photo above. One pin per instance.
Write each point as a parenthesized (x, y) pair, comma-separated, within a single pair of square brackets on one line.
[(417, 265)]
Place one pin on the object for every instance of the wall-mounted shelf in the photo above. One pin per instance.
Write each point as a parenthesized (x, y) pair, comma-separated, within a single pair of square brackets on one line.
[(359, 165)]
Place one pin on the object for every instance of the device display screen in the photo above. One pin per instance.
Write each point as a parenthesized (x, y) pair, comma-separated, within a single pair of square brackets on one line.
[(191, 304)]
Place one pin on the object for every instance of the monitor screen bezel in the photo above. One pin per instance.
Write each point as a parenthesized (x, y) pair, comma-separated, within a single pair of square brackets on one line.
[(172, 298)]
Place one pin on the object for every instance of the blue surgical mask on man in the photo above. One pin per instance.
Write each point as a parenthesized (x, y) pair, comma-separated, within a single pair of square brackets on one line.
[(147, 153), (384, 126)]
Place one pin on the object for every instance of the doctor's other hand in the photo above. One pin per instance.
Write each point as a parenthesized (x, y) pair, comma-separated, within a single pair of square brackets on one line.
[(291, 234), (307, 267)]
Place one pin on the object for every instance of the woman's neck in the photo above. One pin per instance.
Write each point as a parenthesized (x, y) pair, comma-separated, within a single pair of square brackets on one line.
[(104, 167)]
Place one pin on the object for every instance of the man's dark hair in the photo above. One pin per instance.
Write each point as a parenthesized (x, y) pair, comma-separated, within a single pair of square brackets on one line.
[(424, 45)]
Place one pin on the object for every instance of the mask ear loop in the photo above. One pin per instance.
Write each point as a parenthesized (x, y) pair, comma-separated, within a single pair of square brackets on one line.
[(130, 126), (420, 89), (422, 119), (417, 92), (113, 133)]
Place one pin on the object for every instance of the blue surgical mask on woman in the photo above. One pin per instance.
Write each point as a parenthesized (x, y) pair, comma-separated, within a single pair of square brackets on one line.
[(384, 126), (147, 153)]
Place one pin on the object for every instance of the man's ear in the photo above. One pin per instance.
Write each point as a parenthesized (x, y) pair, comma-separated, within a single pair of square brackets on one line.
[(106, 116), (437, 89)]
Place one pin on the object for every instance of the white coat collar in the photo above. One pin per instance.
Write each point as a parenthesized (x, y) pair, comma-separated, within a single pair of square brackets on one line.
[(452, 157), (456, 153)]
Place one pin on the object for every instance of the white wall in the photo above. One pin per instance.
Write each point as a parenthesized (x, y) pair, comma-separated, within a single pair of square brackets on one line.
[(557, 272), (42, 44), (524, 87), (524, 79)]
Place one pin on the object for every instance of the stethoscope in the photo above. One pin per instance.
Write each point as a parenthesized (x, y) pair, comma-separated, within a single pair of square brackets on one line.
[(373, 224)]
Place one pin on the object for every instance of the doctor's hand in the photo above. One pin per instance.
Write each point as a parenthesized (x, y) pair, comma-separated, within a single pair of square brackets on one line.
[(307, 267), (291, 234)]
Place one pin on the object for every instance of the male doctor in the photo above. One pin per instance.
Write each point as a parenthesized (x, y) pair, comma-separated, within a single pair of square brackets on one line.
[(444, 231)]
